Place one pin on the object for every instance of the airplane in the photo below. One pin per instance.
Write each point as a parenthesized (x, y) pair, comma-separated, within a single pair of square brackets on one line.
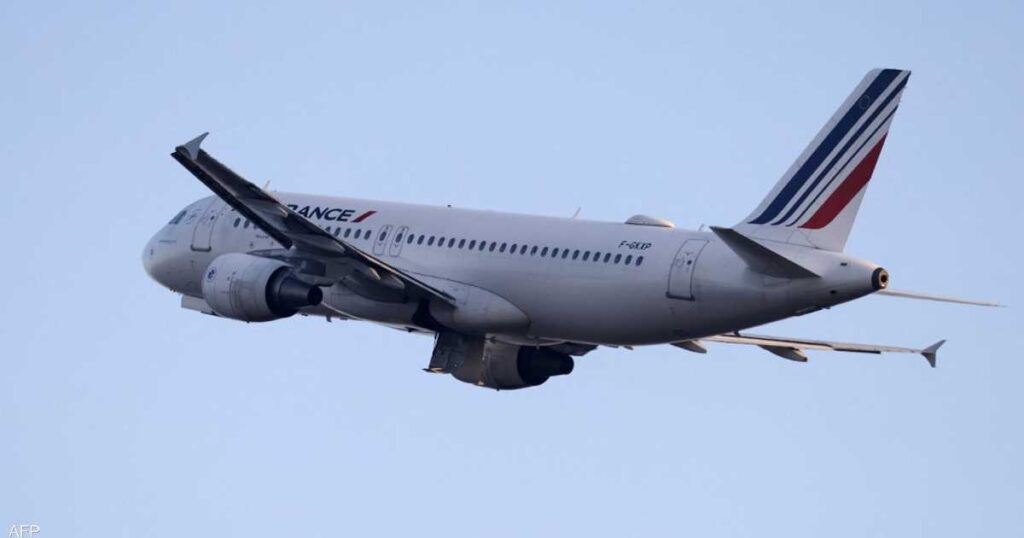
[(512, 300)]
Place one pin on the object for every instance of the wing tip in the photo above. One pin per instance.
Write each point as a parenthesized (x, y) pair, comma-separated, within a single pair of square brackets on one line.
[(930, 353), (191, 148)]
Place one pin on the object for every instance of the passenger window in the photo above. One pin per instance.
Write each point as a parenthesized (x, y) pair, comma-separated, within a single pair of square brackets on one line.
[(411, 237), (246, 225), (383, 234), (607, 256), (597, 257), (575, 254), (430, 242), (533, 251), (522, 249), (544, 251), (493, 245), (420, 240), (398, 238), (586, 255), (554, 253), (337, 231), (618, 258), (629, 259), (348, 231), (237, 221), (462, 243), (451, 242), (482, 245), (502, 248), (513, 249), (639, 260), (565, 253), (366, 235), (472, 244)]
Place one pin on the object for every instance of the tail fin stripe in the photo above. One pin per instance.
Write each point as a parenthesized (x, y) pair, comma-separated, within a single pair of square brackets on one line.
[(839, 156), (843, 167), (839, 131), (846, 190)]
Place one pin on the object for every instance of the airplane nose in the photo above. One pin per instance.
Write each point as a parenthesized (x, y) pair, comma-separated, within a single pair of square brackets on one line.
[(158, 259), (148, 255)]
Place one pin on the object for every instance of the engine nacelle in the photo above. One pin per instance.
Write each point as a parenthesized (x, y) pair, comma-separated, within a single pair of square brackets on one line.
[(250, 288), (497, 365)]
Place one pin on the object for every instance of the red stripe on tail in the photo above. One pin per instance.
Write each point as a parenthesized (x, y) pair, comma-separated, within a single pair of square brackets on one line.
[(846, 191)]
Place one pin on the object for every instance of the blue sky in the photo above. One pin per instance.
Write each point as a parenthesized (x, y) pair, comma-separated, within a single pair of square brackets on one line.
[(124, 415)]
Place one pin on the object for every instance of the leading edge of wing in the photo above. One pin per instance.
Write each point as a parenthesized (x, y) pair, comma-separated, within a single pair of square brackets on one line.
[(287, 227)]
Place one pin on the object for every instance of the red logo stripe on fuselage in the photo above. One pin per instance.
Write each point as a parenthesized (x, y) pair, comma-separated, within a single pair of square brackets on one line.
[(364, 216)]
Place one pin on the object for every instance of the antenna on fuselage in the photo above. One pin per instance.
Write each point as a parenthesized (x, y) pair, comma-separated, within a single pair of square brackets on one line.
[(577, 213)]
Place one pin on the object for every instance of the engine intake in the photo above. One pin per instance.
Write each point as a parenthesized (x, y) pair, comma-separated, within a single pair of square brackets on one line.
[(250, 288)]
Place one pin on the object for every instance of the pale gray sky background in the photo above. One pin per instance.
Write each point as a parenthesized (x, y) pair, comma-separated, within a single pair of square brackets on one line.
[(123, 415)]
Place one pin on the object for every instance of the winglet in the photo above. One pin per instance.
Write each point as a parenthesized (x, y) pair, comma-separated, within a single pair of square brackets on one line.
[(930, 352), (192, 146)]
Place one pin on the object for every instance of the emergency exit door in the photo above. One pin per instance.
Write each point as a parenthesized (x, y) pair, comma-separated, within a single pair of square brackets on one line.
[(381, 242), (398, 241)]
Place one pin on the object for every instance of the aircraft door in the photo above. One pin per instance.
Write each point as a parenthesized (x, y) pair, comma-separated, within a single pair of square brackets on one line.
[(680, 277), (202, 235), (396, 243), (381, 242)]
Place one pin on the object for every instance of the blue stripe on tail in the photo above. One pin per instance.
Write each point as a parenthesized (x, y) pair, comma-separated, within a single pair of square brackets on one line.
[(846, 148), (838, 132)]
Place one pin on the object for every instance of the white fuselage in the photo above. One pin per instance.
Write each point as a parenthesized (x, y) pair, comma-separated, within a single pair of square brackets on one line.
[(574, 280)]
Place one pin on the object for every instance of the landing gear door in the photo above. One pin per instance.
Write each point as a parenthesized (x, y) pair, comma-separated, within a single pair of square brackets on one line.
[(381, 241), (680, 278), (396, 243), (202, 235)]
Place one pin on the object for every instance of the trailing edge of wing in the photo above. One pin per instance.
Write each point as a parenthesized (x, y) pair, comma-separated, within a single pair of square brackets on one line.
[(792, 348), (287, 227), (937, 298)]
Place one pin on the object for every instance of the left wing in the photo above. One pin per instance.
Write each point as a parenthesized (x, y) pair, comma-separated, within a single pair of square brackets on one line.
[(291, 230), (793, 348)]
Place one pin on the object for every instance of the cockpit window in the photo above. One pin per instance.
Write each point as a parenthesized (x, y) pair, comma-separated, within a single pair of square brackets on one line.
[(177, 218)]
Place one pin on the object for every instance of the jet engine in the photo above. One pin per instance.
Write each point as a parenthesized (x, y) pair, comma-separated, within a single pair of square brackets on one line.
[(250, 288), (496, 365)]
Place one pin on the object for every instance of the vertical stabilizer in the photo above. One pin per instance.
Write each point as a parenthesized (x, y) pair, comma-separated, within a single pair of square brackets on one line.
[(816, 201)]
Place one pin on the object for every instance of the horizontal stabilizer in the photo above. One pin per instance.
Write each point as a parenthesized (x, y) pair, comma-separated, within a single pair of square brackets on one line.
[(760, 258), (937, 298)]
